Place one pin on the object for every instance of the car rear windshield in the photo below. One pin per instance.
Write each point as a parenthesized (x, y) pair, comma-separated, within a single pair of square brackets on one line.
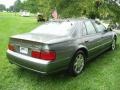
[(54, 28)]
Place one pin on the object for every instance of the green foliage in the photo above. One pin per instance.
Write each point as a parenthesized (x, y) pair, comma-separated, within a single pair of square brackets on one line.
[(2, 7), (115, 9), (17, 6), (78, 8), (11, 8), (103, 9), (93, 14), (45, 7), (31, 5)]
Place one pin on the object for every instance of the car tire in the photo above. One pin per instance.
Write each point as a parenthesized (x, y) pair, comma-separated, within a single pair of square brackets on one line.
[(77, 63), (113, 46)]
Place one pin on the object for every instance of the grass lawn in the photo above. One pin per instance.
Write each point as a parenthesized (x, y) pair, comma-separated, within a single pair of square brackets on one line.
[(103, 73)]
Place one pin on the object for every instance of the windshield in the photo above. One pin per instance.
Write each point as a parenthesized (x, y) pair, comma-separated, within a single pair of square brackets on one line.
[(54, 28)]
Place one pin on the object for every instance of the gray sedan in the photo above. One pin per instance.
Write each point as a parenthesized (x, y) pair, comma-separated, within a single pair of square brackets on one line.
[(60, 45)]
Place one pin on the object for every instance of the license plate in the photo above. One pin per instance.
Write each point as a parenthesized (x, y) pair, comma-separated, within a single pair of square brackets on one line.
[(23, 50)]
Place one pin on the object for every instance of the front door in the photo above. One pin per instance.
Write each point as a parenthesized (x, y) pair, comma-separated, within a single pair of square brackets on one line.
[(92, 39), (106, 38)]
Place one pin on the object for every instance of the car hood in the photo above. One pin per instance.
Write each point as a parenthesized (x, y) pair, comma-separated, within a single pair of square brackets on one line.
[(48, 39)]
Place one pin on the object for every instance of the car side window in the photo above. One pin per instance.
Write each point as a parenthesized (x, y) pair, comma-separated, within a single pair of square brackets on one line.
[(99, 27), (75, 30), (90, 28), (81, 29)]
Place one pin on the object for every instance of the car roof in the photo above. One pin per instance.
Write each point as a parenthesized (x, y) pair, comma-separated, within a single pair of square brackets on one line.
[(71, 20)]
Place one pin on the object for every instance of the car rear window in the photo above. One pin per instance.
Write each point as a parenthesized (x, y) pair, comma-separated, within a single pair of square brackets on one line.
[(54, 28)]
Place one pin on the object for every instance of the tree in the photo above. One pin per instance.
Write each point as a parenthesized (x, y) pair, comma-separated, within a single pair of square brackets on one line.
[(31, 5), (2, 7), (74, 8), (17, 5), (11, 8)]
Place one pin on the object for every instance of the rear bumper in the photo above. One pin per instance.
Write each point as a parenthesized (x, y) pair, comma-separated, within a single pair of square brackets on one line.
[(41, 66)]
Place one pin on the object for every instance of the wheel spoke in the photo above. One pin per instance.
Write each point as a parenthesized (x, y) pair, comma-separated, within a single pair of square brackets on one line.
[(78, 65)]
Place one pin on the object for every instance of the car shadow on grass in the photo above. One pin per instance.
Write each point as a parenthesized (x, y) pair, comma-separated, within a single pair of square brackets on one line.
[(24, 72)]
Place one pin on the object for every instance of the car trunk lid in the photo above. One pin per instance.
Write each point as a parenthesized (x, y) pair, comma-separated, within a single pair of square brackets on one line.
[(25, 43)]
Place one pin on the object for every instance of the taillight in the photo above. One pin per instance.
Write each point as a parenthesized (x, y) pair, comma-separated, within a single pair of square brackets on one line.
[(11, 47), (45, 55), (50, 55), (36, 54)]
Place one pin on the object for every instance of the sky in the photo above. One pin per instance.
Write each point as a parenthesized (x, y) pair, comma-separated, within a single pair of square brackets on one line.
[(7, 3)]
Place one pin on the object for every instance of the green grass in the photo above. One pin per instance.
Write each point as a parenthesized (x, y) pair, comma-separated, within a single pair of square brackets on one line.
[(102, 73)]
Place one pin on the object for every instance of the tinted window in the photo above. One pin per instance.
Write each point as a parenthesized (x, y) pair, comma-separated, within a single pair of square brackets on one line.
[(90, 28), (81, 29), (99, 27), (76, 30)]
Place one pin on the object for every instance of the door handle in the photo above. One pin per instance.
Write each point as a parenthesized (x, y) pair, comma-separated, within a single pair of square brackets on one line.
[(86, 41)]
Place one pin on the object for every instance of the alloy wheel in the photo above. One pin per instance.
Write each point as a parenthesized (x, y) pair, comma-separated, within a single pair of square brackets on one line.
[(79, 63)]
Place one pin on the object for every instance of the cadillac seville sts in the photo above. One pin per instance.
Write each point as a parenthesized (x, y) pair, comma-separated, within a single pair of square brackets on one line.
[(60, 45)]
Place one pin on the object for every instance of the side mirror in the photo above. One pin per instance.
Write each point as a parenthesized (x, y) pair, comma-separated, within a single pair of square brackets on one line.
[(109, 29), (106, 30)]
